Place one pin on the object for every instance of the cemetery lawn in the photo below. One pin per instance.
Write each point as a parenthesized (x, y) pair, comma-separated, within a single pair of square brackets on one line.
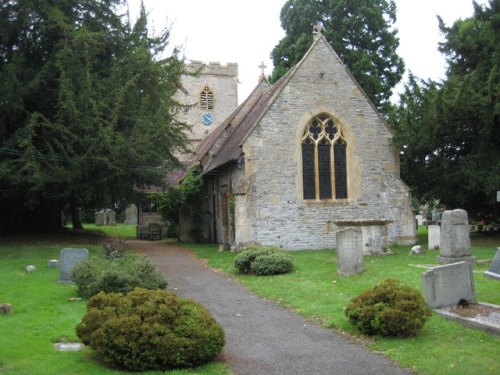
[(42, 313), (315, 290), (119, 230)]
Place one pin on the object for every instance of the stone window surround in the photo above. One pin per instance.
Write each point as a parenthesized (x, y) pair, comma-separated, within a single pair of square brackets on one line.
[(207, 102), (338, 135)]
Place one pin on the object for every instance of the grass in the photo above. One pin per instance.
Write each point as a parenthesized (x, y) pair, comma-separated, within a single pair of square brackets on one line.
[(119, 230), (42, 315), (316, 291)]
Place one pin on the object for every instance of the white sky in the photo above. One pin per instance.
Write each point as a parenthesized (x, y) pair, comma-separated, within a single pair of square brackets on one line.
[(246, 31)]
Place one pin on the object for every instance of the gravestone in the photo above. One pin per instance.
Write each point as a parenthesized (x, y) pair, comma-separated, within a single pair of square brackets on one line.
[(69, 259), (100, 218), (494, 270), (349, 251), (53, 263), (433, 236), (455, 238), (131, 214), (447, 285), (420, 219), (110, 217)]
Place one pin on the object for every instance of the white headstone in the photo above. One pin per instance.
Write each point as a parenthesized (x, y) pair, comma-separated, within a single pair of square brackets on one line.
[(447, 285), (53, 263), (349, 252), (455, 238), (69, 259), (420, 219), (434, 236)]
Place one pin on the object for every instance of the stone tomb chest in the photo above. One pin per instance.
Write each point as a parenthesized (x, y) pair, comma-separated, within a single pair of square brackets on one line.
[(373, 232)]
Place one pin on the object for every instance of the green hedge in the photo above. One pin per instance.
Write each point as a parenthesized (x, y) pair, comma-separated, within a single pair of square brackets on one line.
[(150, 330), (263, 261), (116, 275), (389, 309)]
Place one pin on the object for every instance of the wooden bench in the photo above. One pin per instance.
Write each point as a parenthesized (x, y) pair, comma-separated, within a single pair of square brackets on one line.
[(153, 231)]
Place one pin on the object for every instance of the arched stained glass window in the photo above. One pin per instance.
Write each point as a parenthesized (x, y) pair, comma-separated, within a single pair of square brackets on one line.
[(324, 163), (207, 99)]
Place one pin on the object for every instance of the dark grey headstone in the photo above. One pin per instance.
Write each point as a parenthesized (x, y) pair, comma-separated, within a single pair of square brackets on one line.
[(494, 270), (447, 285), (69, 259)]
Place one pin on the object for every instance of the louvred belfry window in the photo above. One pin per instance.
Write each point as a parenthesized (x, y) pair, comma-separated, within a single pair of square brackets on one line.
[(324, 164), (207, 99)]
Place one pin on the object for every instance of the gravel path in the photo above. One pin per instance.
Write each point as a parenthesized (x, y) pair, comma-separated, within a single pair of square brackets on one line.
[(261, 337)]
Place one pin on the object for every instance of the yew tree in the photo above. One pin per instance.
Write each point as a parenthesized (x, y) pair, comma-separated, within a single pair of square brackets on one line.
[(87, 109), (362, 33), (449, 131)]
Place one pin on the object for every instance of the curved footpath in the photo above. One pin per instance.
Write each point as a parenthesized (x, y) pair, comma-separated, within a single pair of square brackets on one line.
[(262, 338)]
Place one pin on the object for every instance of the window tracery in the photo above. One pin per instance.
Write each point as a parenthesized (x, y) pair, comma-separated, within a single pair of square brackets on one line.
[(324, 163)]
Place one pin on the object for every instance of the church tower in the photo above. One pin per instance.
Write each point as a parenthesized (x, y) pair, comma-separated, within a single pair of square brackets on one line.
[(213, 92)]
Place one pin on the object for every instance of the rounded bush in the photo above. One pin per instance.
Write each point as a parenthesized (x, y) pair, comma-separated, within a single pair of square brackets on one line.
[(263, 261), (389, 309), (150, 330), (120, 275)]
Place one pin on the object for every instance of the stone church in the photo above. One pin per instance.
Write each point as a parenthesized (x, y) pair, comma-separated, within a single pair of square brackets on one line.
[(296, 161)]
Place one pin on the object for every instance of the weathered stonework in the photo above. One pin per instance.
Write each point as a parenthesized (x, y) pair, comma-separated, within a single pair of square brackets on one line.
[(223, 81), (257, 162)]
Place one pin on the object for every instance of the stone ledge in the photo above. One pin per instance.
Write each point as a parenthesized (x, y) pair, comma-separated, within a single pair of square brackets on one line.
[(491, 325)]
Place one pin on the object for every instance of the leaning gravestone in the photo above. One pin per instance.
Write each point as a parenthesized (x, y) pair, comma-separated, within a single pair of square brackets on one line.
[(100, 218), (447, 285), (494, 270), (69, 259), (434, 236), (455, 238), (110, 217), (349, 252)]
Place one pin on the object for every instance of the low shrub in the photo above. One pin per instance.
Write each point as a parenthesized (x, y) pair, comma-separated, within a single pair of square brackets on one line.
[(263, 261), (120, 275), (115, 248), (150, 330), (389, 309)]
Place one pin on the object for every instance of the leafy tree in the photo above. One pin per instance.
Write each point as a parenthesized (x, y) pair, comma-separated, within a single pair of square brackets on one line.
[(87, 107), (449, 131), (360, 31)]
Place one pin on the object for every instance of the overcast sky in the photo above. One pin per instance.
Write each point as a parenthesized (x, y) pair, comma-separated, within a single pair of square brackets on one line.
[(246, 31)]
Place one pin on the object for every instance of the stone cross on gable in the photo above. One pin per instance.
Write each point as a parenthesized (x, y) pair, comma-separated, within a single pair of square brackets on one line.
[(318, 30), (262, 67)]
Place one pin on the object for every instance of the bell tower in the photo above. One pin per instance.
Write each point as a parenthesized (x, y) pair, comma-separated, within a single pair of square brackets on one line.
[(213, 92)]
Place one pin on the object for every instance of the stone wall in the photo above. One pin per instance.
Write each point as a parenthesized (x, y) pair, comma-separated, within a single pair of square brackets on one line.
[(223, 81), (275, 207)]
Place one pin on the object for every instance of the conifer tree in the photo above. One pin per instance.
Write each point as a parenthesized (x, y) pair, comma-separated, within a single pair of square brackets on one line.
[(87, 107), (360, 31)]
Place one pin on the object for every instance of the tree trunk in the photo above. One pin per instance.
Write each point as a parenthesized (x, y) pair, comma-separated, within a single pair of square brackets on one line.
[(75, 214)]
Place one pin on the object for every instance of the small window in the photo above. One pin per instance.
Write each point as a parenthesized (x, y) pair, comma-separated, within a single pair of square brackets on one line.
[(324, 164), (207, 99)]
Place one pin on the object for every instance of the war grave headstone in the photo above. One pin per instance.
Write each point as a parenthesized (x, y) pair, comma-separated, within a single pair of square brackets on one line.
[(100, 218), (494, 269), (455, 238), (434, 236), (447, 285), (349, 252), (69, 259)]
